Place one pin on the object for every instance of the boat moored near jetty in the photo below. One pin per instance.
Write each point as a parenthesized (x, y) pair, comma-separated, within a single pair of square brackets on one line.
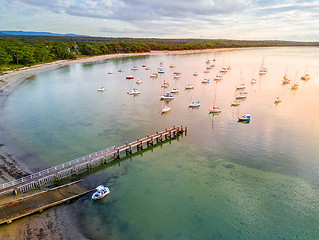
[(101, 192)]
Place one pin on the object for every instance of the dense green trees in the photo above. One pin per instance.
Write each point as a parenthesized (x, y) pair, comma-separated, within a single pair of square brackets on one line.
[(19, 51)]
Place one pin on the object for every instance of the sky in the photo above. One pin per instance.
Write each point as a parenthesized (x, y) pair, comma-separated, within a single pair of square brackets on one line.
[(295, 20)]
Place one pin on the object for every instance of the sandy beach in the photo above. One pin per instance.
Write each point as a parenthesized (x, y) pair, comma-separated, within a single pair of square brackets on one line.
[(53, 223)]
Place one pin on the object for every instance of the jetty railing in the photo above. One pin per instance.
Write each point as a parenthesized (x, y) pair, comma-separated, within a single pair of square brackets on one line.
[(87, 162), (55, 168)]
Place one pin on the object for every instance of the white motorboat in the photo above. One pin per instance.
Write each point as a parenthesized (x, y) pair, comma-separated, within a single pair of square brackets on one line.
[(218, 77), (294, 86), (205, 80), (165, 85), (215, 110), (166, 109), (101, 192), (305, 77), (242, 95), (278, 100), (240, 87), (139, 81), (189, 86), (223, 69), (133, 91), (167, 96), (235, 103), (253, 81), (244, 118), (174, 90), (194, 104), (154, 75), (134, 68), (195, 73), (101, 89)]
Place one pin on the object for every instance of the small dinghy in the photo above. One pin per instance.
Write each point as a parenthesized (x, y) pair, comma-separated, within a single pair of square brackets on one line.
[(101, 89), (100, 193), (166, 109)]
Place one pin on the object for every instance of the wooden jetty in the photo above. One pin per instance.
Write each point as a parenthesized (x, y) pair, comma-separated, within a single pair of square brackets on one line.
[(39, 201), (87, 162)]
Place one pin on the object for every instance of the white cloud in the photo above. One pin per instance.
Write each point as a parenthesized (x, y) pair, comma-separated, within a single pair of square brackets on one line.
[(236, 19)]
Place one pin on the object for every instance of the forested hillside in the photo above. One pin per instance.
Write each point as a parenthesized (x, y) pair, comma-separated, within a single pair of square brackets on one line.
[(21, 51)]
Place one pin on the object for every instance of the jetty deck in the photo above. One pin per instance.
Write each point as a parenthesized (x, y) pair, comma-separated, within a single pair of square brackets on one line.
[(87, 162), (39, 201)]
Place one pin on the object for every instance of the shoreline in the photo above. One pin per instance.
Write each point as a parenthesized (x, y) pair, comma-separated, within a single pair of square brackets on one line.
[(14, 160)]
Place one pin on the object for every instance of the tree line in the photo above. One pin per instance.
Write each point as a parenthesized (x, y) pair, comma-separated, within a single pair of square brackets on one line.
[(21, 51)]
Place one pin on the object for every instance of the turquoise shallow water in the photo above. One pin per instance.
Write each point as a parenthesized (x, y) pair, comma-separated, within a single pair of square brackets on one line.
[(224, 180)]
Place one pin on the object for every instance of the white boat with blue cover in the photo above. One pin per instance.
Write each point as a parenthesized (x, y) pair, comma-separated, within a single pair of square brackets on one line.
[(245, 117), (194, 104), (167, 96), (101, 192), (174, 90), (134, 91)]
